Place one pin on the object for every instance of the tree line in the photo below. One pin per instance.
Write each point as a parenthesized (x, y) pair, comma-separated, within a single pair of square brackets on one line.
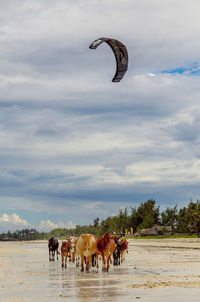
[(25, 234), (184, 220)]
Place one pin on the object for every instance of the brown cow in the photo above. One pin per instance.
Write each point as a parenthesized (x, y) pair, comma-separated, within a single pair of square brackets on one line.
[(86, 246), (124, 247), (65, 252), (106, 246)]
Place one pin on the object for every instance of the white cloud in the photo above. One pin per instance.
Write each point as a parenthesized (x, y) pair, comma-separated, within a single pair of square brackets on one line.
[(14, 219), (68, 133), (12, 222), (48, 225)]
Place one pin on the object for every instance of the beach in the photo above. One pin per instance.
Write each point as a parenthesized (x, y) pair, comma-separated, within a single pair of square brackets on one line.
[(154, 270)]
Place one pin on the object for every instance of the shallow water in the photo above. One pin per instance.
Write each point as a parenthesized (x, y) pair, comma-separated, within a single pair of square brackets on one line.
[(27, 275)]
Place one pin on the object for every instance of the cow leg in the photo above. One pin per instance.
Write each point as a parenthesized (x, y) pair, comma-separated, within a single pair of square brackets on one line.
[(118, 257), (82, 265), (73, 256), (93, 261), (77, 260), (49, 255), (104, 262), (65, 260), (57, 253), (87, 260), (122, 256), (62, 260), (114, 259), (97, 258), (90, 261), (108, 262)]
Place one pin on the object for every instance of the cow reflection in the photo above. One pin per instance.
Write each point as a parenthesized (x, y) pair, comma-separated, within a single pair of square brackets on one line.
[(95, 290)]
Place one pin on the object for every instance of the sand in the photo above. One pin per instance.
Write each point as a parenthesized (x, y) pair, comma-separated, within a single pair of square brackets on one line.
[(154, 270)]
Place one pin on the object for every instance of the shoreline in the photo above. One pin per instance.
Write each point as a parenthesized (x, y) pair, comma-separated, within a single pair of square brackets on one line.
[(153, 270)]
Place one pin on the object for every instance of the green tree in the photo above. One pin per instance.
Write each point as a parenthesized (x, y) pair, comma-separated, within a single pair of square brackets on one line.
[(96, 222), (169, 217), (147, 214), (122, 220), (194, 217)]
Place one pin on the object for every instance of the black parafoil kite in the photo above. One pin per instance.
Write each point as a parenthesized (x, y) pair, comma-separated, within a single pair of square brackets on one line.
[(121, 55)]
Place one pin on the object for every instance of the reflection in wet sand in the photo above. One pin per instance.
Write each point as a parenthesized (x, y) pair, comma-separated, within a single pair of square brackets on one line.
[(99, 289), (153, 271), (81, 286)]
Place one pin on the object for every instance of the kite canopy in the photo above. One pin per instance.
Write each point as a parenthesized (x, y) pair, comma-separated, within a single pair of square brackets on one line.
[(121, 55)]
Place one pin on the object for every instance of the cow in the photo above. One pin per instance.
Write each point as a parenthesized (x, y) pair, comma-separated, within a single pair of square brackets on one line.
[(117, 252), (106, 247), (73, 248), (65, 252), (74, 257), (53, 245), (86, 246), (124, 247)]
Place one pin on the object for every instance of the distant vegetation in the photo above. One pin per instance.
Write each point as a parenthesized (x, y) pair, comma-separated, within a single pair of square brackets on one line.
[(24, 234), (185, 220)]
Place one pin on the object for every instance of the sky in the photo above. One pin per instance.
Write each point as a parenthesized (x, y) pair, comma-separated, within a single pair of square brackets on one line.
[(74, 145)]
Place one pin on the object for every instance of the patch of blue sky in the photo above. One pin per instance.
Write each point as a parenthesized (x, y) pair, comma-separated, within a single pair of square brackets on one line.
[(192, 69)]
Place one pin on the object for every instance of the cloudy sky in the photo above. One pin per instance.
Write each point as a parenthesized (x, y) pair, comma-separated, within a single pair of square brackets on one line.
[(74, 145)]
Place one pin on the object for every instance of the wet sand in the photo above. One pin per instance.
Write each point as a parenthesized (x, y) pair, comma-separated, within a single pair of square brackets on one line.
[(154, 270)]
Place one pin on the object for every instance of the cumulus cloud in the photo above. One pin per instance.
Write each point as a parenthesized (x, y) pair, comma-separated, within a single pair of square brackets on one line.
[(13, 218), (73, 142), (12, 222)]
